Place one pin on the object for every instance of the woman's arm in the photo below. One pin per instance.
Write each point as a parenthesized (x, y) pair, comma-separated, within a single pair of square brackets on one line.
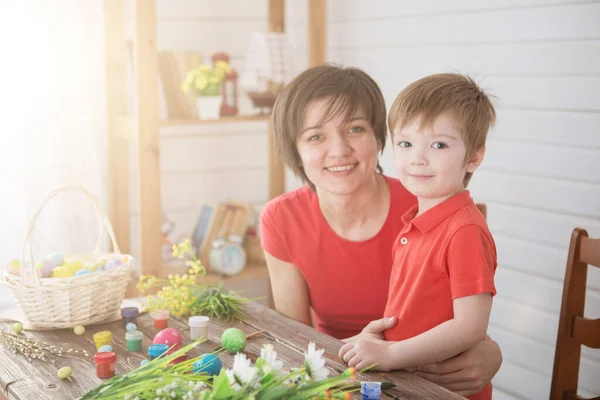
[(290, 293)]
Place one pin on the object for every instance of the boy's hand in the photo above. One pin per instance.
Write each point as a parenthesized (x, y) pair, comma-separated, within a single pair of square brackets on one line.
[(363, 353), (374, 330)]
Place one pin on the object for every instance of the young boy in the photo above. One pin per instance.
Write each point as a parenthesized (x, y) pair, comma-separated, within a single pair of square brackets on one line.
[(442, 280)]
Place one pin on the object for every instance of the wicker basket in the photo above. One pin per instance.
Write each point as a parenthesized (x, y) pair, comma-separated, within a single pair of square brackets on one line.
[(77, 300)]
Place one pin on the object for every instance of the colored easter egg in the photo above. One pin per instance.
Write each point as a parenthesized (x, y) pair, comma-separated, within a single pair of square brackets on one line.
[(170, 337), (73, 265), (208, 363), (130, 327), (101, 261), (13, 267), (57, 259), (233, 340), (79, 330), (105, 348), (61, 272), (113, 264), (64, 372), (17, 327), (44, 268), (144, 362), (82, 272)]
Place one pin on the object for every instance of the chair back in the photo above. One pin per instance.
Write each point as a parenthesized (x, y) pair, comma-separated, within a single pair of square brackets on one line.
[(574, 329), (482, 208)]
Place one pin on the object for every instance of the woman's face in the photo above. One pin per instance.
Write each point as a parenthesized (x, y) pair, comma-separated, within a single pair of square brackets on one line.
[(339, 156)]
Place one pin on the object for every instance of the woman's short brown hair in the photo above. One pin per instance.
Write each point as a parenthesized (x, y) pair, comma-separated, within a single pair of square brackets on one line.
[(458, 95), (348, 90)]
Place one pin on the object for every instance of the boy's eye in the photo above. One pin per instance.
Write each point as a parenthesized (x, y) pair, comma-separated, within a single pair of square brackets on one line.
[(439, 145), (404, 143)]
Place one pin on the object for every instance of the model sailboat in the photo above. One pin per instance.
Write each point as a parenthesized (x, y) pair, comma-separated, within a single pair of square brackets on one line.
[(268, 68)]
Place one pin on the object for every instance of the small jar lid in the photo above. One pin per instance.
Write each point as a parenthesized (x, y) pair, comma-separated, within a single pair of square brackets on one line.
[(105, 357), (102, 336), (155, 350), (134, 335), (370, 388), (198, 321), (160, 314), (128, 312)]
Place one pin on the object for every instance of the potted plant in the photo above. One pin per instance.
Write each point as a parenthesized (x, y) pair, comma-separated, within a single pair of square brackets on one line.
[(205, 81)]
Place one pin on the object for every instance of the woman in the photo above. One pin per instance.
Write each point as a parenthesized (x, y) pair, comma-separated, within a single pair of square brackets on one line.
[(328, 244)]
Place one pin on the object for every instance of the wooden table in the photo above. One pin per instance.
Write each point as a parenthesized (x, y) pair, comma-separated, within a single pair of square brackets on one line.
[(22, 379)]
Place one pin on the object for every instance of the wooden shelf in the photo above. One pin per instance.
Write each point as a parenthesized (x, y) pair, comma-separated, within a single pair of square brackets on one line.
[(222, 120)]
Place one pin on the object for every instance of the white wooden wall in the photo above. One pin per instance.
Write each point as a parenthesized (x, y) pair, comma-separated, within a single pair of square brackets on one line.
[(541, 175)]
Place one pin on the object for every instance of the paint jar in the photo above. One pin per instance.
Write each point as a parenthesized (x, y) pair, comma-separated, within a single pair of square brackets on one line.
[(161, 318), (370, 390), (198, 327), (155, 350), (102, 338), (129, 314), (105, 364), (134, 340)]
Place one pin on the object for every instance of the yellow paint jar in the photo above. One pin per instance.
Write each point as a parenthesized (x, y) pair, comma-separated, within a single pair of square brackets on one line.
[(102, 338)]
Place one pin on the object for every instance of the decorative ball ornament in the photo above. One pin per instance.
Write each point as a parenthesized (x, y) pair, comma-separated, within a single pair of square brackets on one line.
[(130, 327), (17, 327), (79, 330), (233, 340), (208, 363), (105, 348), (169, 336), (64, 372)]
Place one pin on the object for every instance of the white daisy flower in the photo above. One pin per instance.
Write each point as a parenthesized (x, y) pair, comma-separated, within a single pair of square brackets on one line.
[(268, 354), (315, 364), (242, 372)]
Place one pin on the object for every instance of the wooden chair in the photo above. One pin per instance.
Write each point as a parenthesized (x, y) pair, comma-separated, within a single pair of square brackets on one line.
[(573, 329), (482, 209)]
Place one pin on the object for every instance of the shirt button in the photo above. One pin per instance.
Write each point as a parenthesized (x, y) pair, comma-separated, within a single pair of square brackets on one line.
[(403, 240)]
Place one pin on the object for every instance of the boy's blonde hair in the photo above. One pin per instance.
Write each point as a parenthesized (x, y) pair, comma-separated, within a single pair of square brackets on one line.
[(348, 89), (454, 94)]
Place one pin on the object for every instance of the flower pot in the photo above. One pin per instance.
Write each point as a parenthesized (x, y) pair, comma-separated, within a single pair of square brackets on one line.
[(209, 107)]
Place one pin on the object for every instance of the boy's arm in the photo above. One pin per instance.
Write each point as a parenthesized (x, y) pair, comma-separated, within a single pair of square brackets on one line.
[(467, 328)]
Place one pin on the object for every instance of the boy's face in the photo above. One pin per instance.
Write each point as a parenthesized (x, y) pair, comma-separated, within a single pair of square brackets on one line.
[(430, 161)]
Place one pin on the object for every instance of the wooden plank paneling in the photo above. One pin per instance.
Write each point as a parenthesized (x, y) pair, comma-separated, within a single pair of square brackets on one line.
[(553, 23), (317, 32)]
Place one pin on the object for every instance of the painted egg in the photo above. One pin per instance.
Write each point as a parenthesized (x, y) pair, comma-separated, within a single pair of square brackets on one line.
[(105, 348), (208, 363), (233, 340), (144, 362), (82, 272), (61, 272), (44, 268), (64, 372), (57, 259), (17, 327), (13, 267), (113, 264), (130, 327), (73, 265), (101, 261), (170, 337), (79, 330)]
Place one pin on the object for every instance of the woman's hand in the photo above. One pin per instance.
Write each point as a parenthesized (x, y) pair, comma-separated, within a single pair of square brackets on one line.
[(467, 373), (374, 330)]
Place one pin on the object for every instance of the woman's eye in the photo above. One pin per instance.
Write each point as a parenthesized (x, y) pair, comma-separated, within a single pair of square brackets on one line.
[(404, 144), (439, 145), (312, 138), (356, 129)]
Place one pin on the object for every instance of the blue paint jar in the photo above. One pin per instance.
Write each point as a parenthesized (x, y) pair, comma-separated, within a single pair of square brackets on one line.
[(155, 350), (370, 390)]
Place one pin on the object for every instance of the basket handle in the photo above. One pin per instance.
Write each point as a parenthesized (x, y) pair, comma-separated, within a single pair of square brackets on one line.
[(102, 219)]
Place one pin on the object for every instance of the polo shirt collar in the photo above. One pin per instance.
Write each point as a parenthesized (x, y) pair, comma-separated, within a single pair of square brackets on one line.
[(432, 217)]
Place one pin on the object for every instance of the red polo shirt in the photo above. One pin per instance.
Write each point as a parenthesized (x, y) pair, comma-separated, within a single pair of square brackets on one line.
[(443, 254)]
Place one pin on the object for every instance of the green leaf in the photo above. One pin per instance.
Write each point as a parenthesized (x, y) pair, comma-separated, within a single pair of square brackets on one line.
[(221, 387)]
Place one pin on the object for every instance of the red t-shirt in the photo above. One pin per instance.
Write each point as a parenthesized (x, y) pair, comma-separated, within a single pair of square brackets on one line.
[(443, 254), (347, 281)]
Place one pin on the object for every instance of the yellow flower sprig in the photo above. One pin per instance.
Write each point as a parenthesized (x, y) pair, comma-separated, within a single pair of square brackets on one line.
[(205, 80)]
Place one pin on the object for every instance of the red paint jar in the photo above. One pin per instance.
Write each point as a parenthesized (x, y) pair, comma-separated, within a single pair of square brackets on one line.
[(105, 364), (161, 319)]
